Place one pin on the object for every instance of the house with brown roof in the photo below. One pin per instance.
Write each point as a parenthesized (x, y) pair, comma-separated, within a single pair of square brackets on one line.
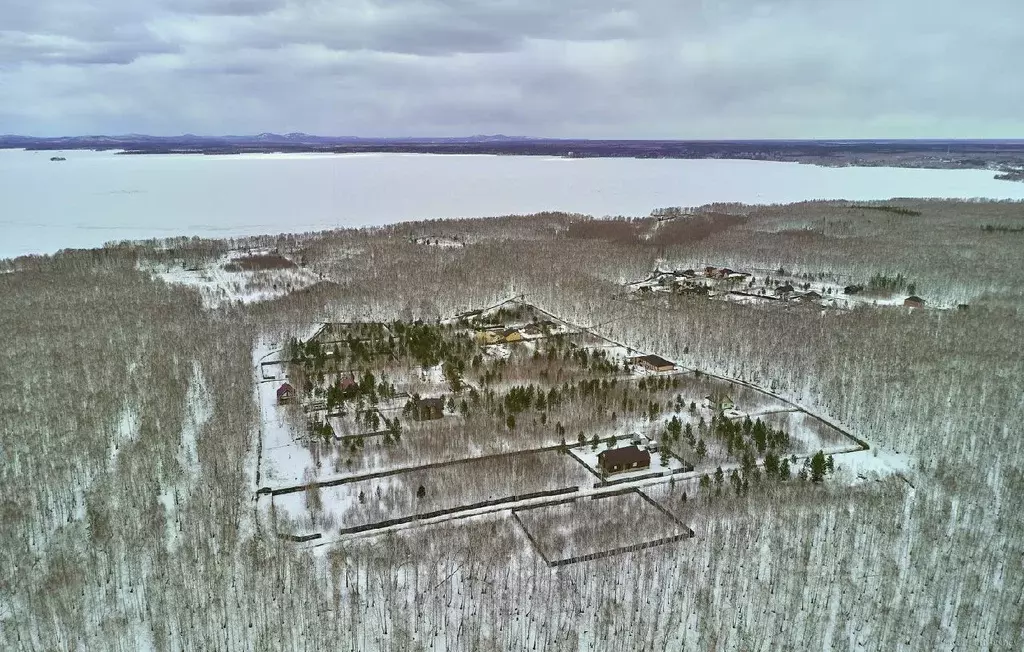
[(285, 393), (653, 363), (913, 301), (621, 460)]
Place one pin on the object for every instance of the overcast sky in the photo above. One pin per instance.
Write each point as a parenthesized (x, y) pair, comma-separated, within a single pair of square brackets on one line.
[(557, 68)]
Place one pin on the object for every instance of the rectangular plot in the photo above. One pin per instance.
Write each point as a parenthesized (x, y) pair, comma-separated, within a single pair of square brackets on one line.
[(588, 528), (396, 497)]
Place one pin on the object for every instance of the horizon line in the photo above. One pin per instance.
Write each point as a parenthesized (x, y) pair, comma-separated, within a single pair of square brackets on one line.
[(498, 137)]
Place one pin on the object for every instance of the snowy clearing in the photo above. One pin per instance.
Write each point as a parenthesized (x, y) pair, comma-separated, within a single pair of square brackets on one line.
[(218, 286)]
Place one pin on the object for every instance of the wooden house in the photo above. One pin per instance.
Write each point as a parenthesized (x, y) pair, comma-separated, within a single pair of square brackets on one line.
[(621, 460), (913, 301), (285, 393), (653, 363)]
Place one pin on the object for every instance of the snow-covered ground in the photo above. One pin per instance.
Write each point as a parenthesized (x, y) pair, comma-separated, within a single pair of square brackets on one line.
[(375, 500), (809, 434), (218, 286), (198, 411), (870, 465), (444, 242)]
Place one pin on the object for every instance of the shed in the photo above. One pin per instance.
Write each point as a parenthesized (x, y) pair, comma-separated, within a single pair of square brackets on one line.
[(913, 301), (784, 289), (620, 460)]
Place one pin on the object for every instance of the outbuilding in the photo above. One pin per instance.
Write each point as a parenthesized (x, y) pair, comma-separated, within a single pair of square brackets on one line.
[(285, 393), (913, 301)]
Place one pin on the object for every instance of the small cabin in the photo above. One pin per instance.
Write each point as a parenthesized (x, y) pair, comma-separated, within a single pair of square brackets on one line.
[(913, 301), (719, 403), (285, 393)]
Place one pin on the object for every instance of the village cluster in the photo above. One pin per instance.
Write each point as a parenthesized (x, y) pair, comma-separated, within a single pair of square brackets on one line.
[(368, 425), (780, 288)]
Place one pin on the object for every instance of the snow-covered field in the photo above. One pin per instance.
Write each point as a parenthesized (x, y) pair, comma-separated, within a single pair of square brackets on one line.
[(218, 286), (95, 197), (871, 465)]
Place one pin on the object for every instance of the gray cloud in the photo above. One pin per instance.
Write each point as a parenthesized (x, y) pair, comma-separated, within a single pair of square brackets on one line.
[(585, 68)]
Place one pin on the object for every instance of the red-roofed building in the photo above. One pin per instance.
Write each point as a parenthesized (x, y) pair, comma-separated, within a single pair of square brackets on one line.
[(285, 393)]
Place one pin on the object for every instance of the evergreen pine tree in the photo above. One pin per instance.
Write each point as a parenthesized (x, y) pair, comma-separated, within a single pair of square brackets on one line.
[(818, 467)]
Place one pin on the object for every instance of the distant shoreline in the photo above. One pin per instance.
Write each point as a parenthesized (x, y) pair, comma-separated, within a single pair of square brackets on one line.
[(1005, 159)]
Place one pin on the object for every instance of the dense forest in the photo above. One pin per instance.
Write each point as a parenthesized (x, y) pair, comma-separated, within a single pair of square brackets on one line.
[(128, 428)]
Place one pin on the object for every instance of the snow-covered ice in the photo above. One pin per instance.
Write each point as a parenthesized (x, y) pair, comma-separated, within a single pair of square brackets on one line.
[(96, 197)]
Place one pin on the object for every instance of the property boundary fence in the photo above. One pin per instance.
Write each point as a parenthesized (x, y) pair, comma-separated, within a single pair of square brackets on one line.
[(686, 534), (461, 508)]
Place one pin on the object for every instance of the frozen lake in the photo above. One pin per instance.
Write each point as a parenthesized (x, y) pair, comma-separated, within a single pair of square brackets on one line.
[(96, 197)]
